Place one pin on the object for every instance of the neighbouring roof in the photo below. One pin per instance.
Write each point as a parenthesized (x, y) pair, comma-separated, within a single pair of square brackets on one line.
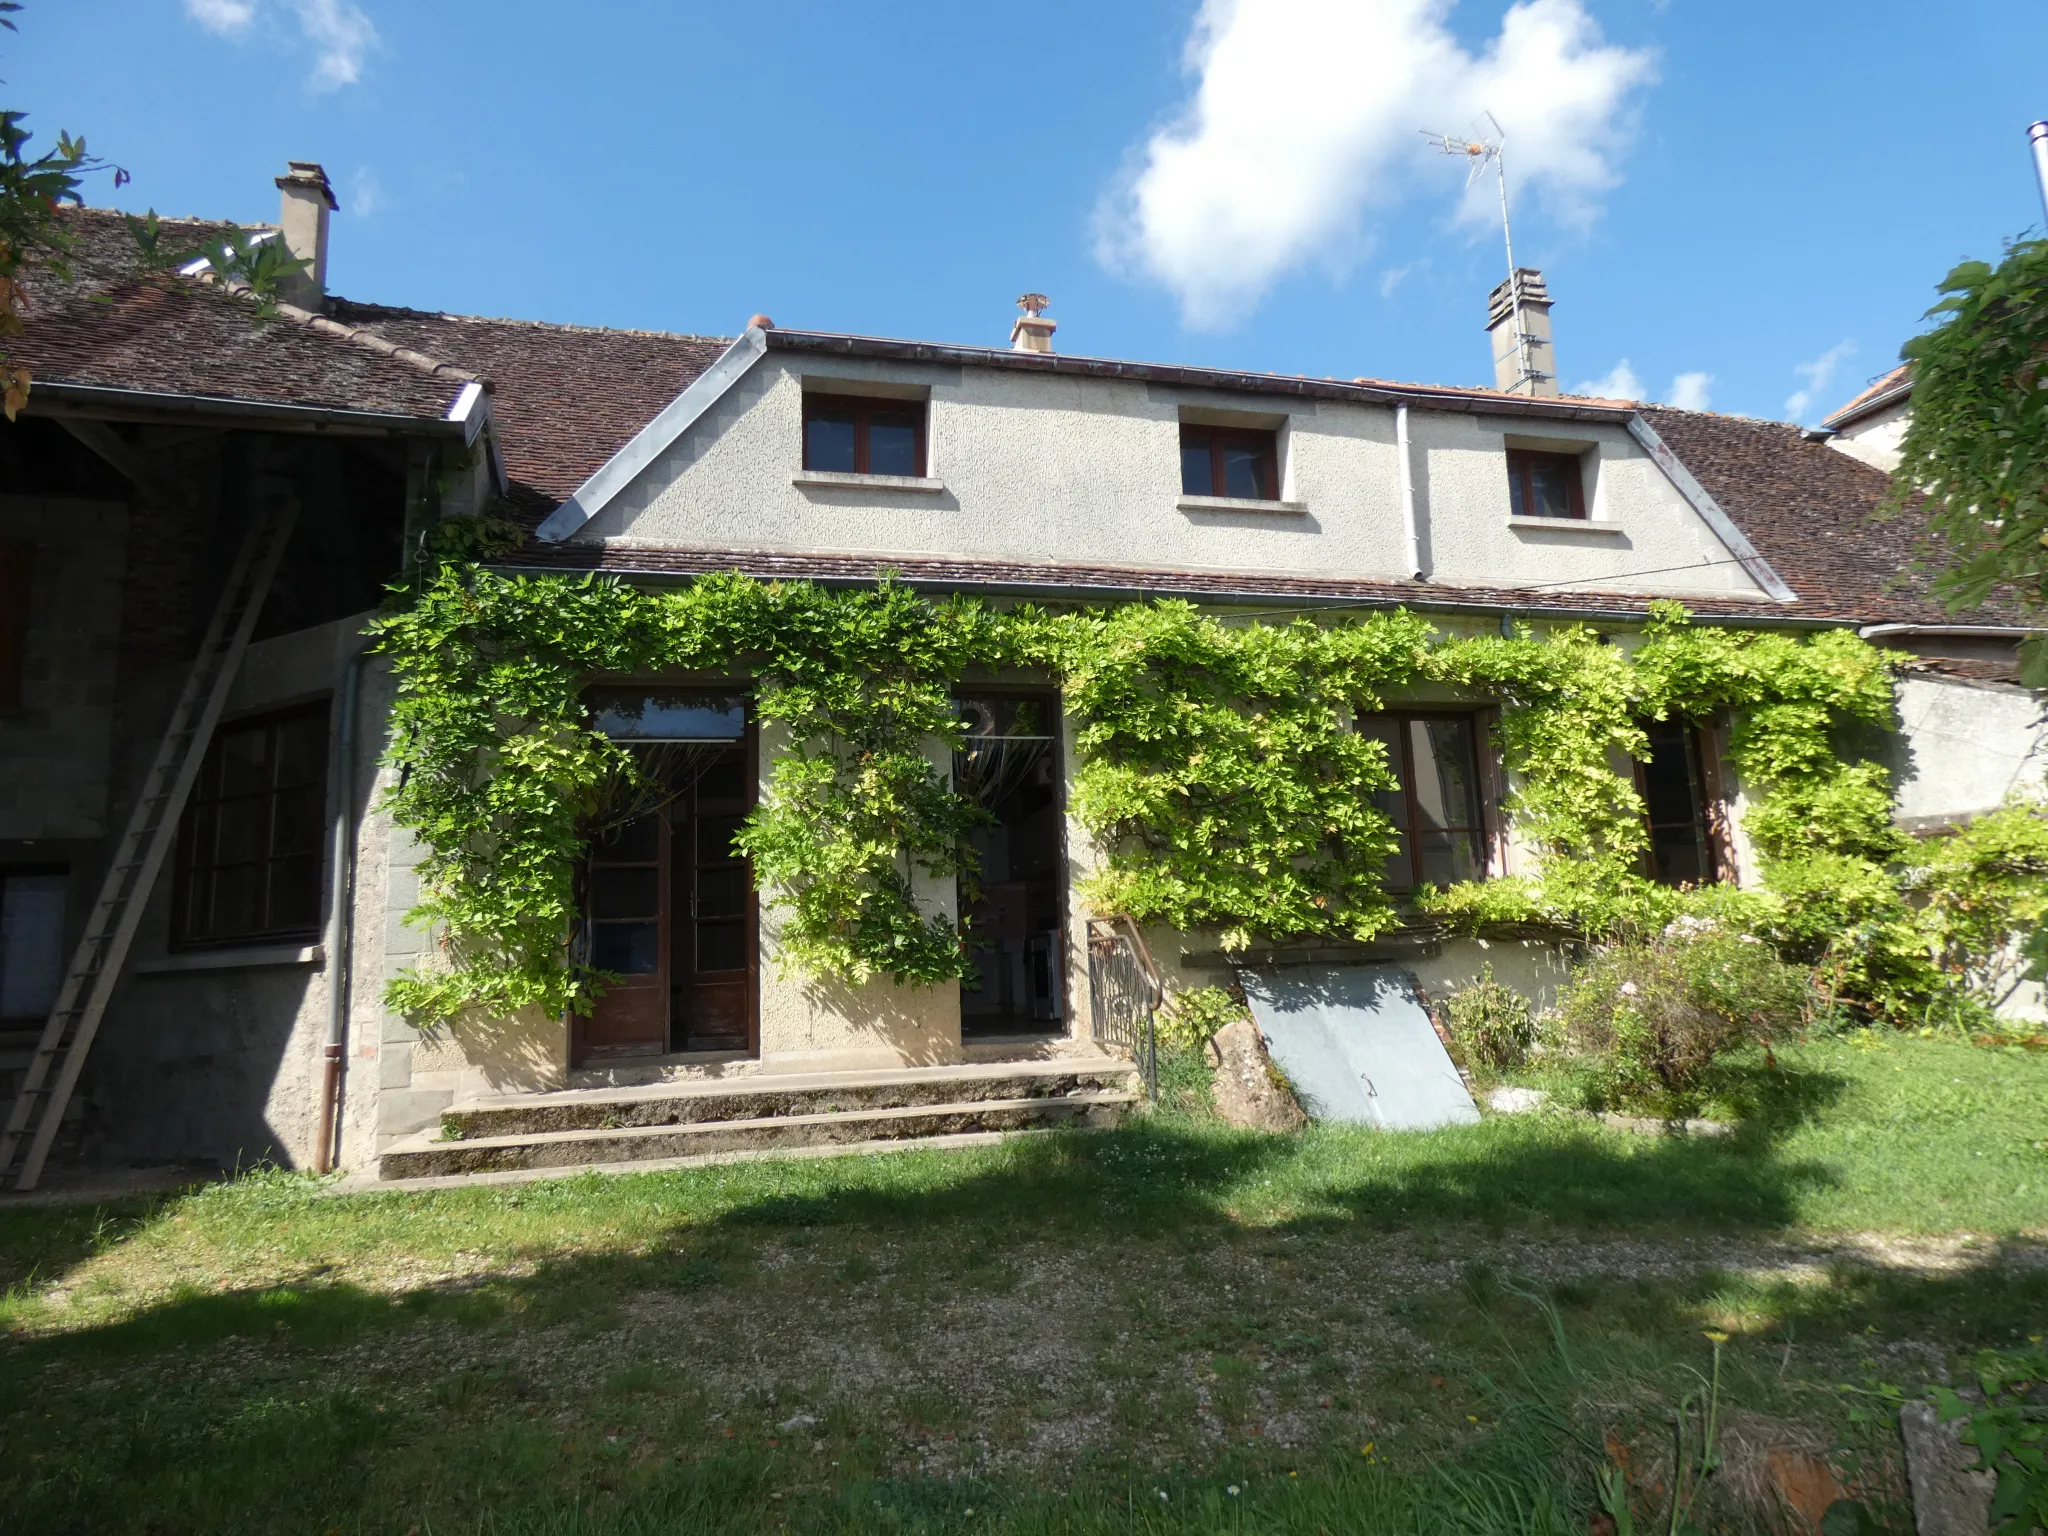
[(1896, 385), (111, 325), (565, 397)]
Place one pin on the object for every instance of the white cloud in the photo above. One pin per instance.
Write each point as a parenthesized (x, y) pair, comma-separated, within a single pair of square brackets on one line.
[(365, 192), (1394, 277), (1621, 383), (340, 32), (1815, 377), (227, 17), (1689, 391), (1305, 116), (343, 34)]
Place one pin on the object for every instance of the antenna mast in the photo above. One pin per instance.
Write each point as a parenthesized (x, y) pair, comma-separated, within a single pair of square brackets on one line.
[(1483, 147)]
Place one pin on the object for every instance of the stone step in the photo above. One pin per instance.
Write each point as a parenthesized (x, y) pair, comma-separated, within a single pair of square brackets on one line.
[(421, 1157), (767, 1096)]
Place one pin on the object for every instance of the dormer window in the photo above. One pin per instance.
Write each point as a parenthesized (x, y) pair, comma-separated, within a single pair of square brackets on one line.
[(1545, 484), (859, 435), (1240, 463)]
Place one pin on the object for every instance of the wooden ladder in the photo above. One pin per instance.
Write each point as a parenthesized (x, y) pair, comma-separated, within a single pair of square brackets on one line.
[(152, 828)]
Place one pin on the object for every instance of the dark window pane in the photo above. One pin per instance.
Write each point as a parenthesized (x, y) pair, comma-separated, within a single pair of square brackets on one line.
[(244, 761), (637, 842), (631, 949), (1244, 470), (1197, 478), (1400, 875), (721, 946), (1550, 481), (892, 444), (725, 779), (241, 834), (722, 892), (1678, 855), (828, 441), (1518, 488), (297, 821), (1445, 794), (714, 838), (1448, 856), (237, 901), (1669, 792), (302, 751), (629, 892), (294, 892)]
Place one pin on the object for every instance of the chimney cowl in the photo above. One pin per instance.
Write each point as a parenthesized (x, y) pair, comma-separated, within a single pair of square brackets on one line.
[(1031, 331), (760, 323), (306, 198)]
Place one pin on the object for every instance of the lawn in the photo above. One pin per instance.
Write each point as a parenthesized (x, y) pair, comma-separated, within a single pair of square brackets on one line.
[(1166, 1328)]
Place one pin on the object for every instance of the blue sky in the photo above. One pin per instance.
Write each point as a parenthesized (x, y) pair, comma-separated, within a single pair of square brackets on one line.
[(1760, 194)]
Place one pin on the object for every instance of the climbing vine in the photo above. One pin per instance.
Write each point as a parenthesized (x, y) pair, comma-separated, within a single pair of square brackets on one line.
[(1220, 773)]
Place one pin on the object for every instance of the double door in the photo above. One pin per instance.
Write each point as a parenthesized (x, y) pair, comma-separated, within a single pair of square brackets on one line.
[(670, 909)]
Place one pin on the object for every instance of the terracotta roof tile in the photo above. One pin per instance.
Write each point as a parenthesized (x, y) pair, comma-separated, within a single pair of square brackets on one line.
[(113, 326), (1878, 389), (566, 397)]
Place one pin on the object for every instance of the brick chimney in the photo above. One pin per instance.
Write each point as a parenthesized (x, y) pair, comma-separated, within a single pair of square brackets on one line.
[(1032, 332), (1518, 315), (307, 200)]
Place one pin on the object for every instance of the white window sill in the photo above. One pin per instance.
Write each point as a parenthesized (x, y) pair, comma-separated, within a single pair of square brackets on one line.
[(1564, 525), (255, 958), (824, 479), (1240, 504)]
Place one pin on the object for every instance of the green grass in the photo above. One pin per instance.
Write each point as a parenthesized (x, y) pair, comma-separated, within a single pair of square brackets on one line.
[(1050, 1333)]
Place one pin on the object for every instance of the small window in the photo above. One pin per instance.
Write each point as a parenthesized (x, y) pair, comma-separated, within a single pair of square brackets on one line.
[(31, 943), (1545, 484), (1436, 809), (1675, 805), (16, 560), (1228, 461), (855, 435), (249, 846)]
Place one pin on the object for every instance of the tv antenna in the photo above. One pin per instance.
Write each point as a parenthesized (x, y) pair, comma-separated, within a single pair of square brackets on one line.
[(1487, 145)]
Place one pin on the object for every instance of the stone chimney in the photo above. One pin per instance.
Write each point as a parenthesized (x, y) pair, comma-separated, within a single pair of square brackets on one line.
[(1032, 332), (307, 200), (1518, 315)]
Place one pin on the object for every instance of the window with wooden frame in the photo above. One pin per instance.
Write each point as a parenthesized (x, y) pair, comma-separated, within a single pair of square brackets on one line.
[(1676, 806), (863, 435), (16, 562), (249, 847), (1236, 462), (1437, 809), (1546, 484)]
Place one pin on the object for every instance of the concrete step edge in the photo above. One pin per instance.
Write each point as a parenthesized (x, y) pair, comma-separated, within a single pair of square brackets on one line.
[(426, 1141), (802, 1082), (366, 1181)]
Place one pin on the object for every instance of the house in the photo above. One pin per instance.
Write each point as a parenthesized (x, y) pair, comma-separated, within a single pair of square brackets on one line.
[(171, 416)]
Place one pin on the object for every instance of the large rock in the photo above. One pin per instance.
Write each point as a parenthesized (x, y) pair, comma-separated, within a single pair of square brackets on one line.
[(1248, 1091)]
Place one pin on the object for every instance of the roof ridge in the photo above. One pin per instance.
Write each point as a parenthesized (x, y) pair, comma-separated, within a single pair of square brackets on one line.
[(403, 311), (354, 334)]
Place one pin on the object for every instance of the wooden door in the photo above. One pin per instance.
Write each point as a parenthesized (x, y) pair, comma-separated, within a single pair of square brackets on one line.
[(628, 880), (713, 939)]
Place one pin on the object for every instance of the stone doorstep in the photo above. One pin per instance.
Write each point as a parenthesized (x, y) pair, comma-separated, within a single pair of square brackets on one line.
[(781, 1094), (421, 1155), (365, 1181), (726, 1074)]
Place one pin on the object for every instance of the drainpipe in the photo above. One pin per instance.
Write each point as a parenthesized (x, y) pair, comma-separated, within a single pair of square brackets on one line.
[(2037, 139), (341, 862), (1411, 521)]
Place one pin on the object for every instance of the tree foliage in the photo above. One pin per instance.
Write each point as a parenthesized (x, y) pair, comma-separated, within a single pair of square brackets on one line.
[(1978, 441)]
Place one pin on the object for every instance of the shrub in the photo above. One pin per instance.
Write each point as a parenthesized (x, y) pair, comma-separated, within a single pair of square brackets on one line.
[(1490, 1024), (1648, 1020), (1187, 1019)]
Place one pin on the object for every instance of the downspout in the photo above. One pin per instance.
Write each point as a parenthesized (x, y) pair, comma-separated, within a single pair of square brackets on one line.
[(1411, 520), (341, 862)]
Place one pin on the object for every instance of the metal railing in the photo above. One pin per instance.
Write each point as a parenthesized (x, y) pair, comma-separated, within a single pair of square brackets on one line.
[(1124, 993)]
